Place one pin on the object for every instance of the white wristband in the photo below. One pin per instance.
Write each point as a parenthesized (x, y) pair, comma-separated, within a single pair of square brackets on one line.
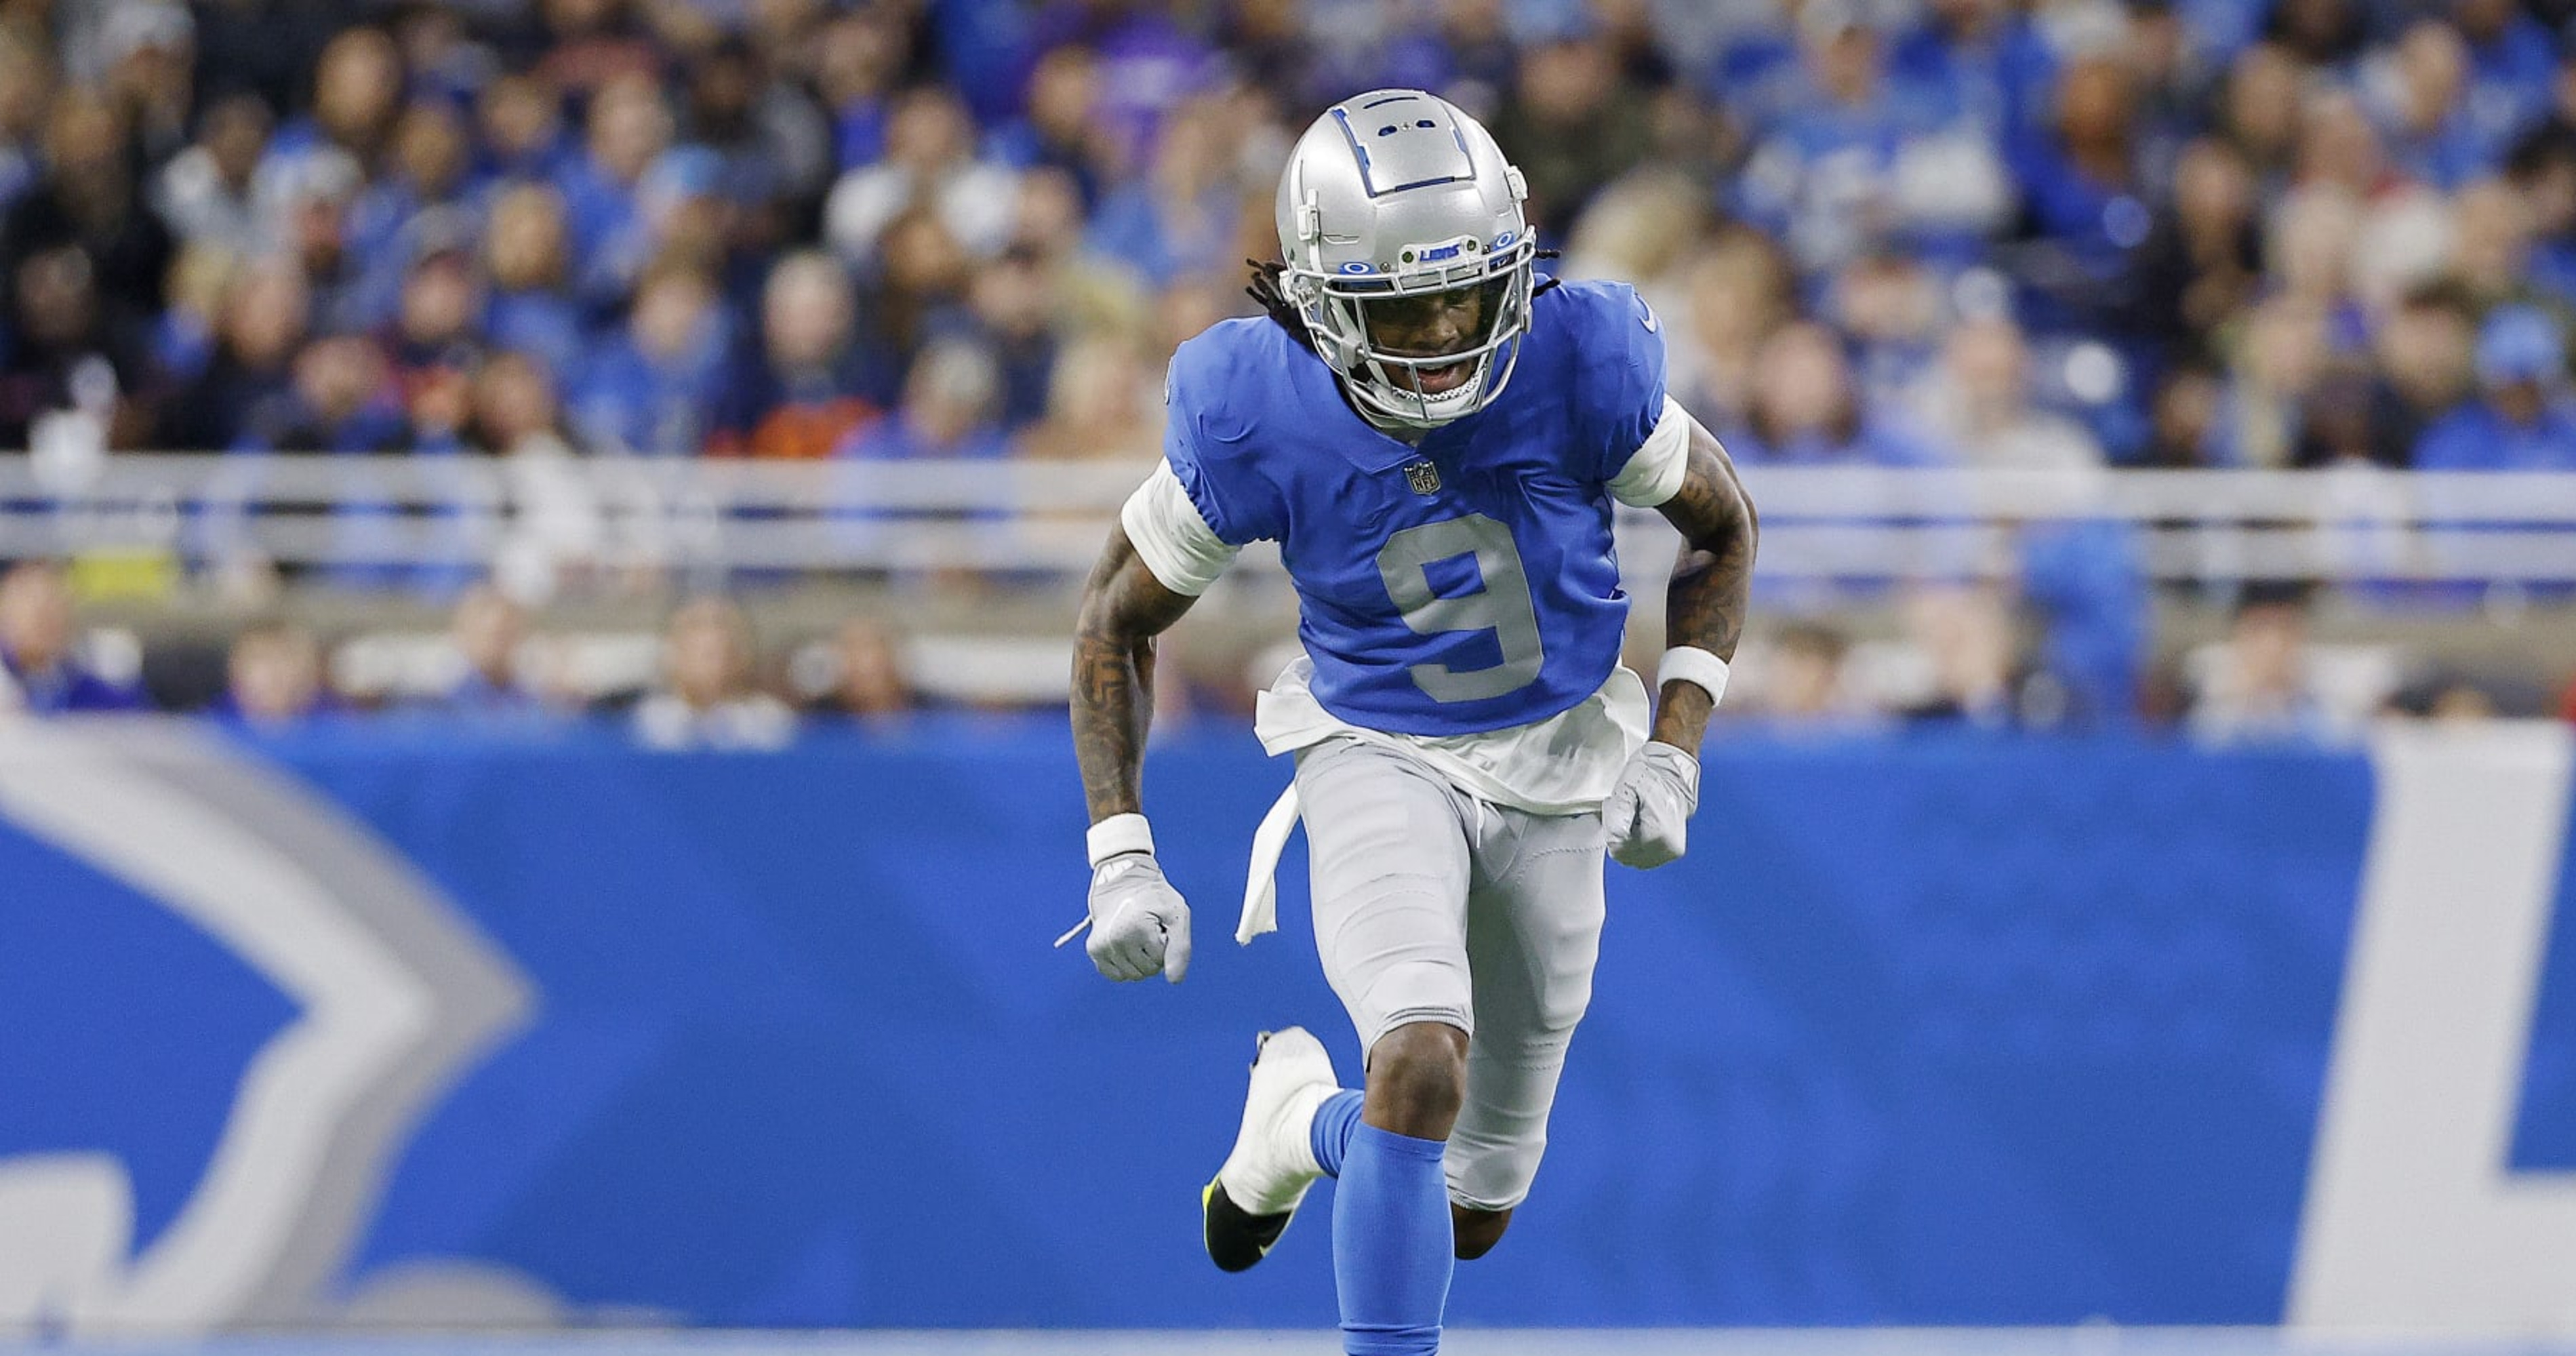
[(1691, 664), (1117, 834)]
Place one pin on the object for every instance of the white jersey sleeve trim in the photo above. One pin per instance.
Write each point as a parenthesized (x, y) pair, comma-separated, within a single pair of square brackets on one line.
[(1172, 537), (1654, 472)]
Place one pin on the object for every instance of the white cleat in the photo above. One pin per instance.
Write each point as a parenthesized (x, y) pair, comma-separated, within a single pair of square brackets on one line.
[(1273, 1164)]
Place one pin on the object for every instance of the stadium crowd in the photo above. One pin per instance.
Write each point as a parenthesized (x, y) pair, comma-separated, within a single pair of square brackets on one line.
[(2019, 233)]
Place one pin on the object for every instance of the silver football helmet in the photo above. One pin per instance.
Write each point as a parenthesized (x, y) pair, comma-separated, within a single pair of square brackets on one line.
[(1393, 196)]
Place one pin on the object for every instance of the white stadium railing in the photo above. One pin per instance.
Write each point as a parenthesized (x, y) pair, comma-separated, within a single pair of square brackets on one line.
[(1038, 518)]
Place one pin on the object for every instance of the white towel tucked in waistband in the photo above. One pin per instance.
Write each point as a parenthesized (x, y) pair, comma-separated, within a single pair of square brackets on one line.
[(1261, 884)]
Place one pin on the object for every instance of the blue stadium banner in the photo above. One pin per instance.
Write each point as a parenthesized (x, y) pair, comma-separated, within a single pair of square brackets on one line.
[(362, 1027)]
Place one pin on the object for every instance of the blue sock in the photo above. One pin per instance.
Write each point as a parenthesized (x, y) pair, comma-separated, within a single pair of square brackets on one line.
[(1331, 1132), (1392, 1246)]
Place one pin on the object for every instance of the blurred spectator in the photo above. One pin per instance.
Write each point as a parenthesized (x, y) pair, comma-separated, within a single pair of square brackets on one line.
[(2184, 414), (947, 411), (2083, 583), (183, 339), (707, 698), (2491, 244), (603, 190), (357, 91), (869, 680), (2258, 689), (2206, 258), (2274, 375), (526, 255), (2424, 349), (1802, 679), (2413, 91), (1573, 127), (2259, 111), (488, 631), (1977, 404), (654, 387), (40, 662), (208, 193), (88, 199), (1015, 307), (341, 401), (1059, 129), (2339, 148), (1806, 413), (810, 387), (1736, 291), (2522, 420), (2356, 419), (1150, 67), (2084, 191), (858, 58), (419, 205), (592, 44), (557, 524), (443, 56), (2320, 34), (275, 678), (435, 342), (1965, 634), (1853, 171), (1102, 404), (250, 380), (920, 288), (1642, 231), (26, 92), (1180, 220), (1892, 309), (2314, 235), (2513, 66), (1974, 61), (520, 118), (772, 144), (2543, 170), (311, 198), (929, 163), (69, 358)]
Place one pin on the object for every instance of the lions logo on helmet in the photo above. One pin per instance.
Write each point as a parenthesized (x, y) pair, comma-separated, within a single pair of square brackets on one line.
[(1397, 194)]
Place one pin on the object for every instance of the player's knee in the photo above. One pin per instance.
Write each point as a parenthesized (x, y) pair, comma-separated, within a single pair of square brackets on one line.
[(1477, 1231), (1417, 1078)]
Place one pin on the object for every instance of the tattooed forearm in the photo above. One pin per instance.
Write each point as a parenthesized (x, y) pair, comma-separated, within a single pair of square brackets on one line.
[(1123, 608), (1712, 582)]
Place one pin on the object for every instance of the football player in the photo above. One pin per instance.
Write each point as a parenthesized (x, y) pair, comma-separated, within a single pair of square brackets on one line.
[(1435, 437)]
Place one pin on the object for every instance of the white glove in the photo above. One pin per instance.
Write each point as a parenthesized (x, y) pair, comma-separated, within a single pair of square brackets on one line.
[(1648, 812), (1139, 923)]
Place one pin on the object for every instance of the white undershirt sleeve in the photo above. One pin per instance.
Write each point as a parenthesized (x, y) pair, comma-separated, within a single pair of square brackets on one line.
[(1171, 536), (1654, 472)]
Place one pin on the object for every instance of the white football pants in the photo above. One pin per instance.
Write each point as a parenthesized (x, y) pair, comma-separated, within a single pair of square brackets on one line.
[(1433, 906)]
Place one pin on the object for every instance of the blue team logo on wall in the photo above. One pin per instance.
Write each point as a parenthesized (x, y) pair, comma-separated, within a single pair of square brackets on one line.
[(393, 995)]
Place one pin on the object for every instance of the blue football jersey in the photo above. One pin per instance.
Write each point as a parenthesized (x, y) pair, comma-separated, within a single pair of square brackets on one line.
[(1461, 584)]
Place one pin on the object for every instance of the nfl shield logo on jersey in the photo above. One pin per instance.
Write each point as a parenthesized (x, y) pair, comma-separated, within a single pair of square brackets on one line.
[(1423, 477)]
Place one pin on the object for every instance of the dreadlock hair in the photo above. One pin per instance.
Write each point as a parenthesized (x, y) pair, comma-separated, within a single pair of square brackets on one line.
[(1267, 290), (1272, 294)]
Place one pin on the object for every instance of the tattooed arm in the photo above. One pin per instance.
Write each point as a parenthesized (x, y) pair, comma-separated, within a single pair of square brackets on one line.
[(1123, 609), (1711, 582)]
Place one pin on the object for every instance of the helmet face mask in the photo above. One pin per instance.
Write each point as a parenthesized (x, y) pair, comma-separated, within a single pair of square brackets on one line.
[(1408, 256)]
